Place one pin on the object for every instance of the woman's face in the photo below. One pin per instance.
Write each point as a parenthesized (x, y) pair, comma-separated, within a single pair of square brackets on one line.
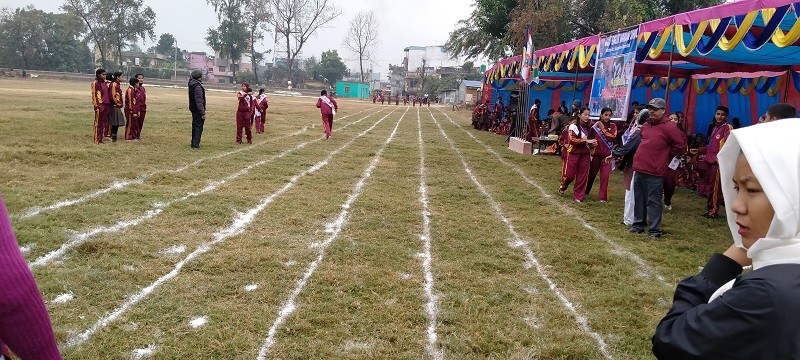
[(606, 116), (673, 118), (751, 206), (584, 116)]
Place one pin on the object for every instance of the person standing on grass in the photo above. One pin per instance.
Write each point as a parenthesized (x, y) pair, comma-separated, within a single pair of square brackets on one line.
[(261, 111), (721, 313), (25, 326), (116, 118), (660, 142), (578, 158), (625, 153), (244, 113), (671, 180), (197, 106), (719, 134), (132, 110), (142, 102), (327, 107), (605, 132), (101, 100)]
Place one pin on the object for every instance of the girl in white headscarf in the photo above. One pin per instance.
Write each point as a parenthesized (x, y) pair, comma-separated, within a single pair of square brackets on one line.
[(720, 314)]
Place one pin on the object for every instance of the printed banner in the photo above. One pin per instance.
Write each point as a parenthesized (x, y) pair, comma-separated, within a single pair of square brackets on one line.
[(613, 74)]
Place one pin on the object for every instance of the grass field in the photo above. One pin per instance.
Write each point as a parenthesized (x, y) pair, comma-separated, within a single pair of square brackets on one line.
[(408, 235)]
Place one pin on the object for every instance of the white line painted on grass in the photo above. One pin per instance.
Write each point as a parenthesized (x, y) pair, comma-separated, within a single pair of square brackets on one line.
[(198, 322), (617, 249), (121, 184), (335, 228), (158, 208), (26, 248), (240, 222), (174, 250), (63, 298), (518, 243), (143, 353), (431, 309), (251, 287)]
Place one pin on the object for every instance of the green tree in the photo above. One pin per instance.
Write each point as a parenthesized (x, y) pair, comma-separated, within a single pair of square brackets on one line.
[(249, 77), (256, 16), (331, 67), (166, 45), (230, 38), (311, 66), (33, 39), (484, 32), (130, 21)]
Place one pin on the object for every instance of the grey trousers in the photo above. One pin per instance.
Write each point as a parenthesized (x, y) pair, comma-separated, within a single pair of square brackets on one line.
[(647, 194)]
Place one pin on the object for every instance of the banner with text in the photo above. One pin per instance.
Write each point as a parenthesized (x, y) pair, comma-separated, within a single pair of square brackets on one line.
[(613, 73)]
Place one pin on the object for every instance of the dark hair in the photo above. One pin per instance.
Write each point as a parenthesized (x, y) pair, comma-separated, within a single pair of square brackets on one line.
[(606, 109), (736, 123), (116, 75), (782, 111), (133, 81), (98, 72), (260, 91), (723, 109), (323, 92), (537, 101), (138, 74), (550, 112)]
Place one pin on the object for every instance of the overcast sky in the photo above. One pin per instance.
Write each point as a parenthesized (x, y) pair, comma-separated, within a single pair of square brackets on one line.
[(402, 23)]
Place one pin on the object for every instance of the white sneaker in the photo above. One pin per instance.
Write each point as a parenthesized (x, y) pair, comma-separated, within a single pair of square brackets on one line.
[(668, 207)]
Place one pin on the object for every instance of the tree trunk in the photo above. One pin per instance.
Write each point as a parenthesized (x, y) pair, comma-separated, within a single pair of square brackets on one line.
[(288, 56), (253, 52), (361, 65), (233, 68)]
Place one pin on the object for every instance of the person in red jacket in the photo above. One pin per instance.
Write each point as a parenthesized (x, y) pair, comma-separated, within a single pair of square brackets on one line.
[(327, 107), (605, 132), (719, 135), (132, 110), (101, 100), (244, 113), (578, 158), (661, 141)]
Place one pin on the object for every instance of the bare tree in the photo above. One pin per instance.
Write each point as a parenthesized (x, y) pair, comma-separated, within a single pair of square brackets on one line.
[(90, 12), (256, 16), (297, 20), (362, 38)]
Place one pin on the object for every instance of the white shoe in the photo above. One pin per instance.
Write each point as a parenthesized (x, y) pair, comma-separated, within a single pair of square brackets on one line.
[(668, 207)]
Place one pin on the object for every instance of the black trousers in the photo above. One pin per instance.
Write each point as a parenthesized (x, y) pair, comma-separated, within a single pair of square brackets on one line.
[(647, 206), (197, 128)]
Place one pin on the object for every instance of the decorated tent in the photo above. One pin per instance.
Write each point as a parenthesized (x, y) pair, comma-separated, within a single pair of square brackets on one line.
[(743, 54)]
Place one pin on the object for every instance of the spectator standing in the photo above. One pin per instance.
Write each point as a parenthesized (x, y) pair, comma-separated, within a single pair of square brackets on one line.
[(197, 106)]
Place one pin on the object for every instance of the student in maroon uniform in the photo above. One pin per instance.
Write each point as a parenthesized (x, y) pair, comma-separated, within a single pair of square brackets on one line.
[(101, 100), (605, 132), (261, 111), (327, 107), (244, 113), (142, 102), (719, 134), (116, 118), (132, 110), (579, 148)]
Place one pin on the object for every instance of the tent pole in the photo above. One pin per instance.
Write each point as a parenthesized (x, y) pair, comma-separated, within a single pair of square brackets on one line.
[(669, 69), (575, 82), (786, 89)]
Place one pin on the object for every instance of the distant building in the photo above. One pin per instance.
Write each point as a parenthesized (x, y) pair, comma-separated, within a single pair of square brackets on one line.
[(352, 89), (218, 70), (468, 91), (433, 57)]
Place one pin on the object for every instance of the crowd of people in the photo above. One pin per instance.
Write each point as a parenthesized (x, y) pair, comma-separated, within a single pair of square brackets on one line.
[(388, 99), (113, 109)]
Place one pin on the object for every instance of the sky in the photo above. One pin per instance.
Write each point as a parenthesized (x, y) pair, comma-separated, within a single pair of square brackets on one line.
[(402, 23)]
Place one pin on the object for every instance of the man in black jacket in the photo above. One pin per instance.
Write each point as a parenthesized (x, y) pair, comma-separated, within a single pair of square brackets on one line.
[(197, 105)]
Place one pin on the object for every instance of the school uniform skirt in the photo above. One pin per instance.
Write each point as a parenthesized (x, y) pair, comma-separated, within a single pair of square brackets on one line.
[(117, 117)]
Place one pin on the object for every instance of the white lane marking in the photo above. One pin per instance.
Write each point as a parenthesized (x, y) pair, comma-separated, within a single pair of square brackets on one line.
[(158, 207), (63, 298), (336, 227), (121, 184), (431, 309), (619, 250), (198, 322), (174, 250), (251, 287), (518, 243), (143, 353), (240, 222), (26, 248)]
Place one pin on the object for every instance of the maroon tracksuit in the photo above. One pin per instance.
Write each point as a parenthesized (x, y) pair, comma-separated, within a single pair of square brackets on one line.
[(142, 102), (132, 114), (327, 114), (244, 114), (605, 134), (713, 183), (262, 105), (101, 99), (577, 162)]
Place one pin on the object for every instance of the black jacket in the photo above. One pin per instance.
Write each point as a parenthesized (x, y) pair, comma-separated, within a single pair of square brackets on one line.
[(197, 96), (759, 318)]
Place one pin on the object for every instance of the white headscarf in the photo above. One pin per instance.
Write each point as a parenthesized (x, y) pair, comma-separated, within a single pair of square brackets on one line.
[(773, 152)]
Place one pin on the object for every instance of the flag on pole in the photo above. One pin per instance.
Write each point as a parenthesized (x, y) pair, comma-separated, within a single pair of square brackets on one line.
[(530, 71)]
